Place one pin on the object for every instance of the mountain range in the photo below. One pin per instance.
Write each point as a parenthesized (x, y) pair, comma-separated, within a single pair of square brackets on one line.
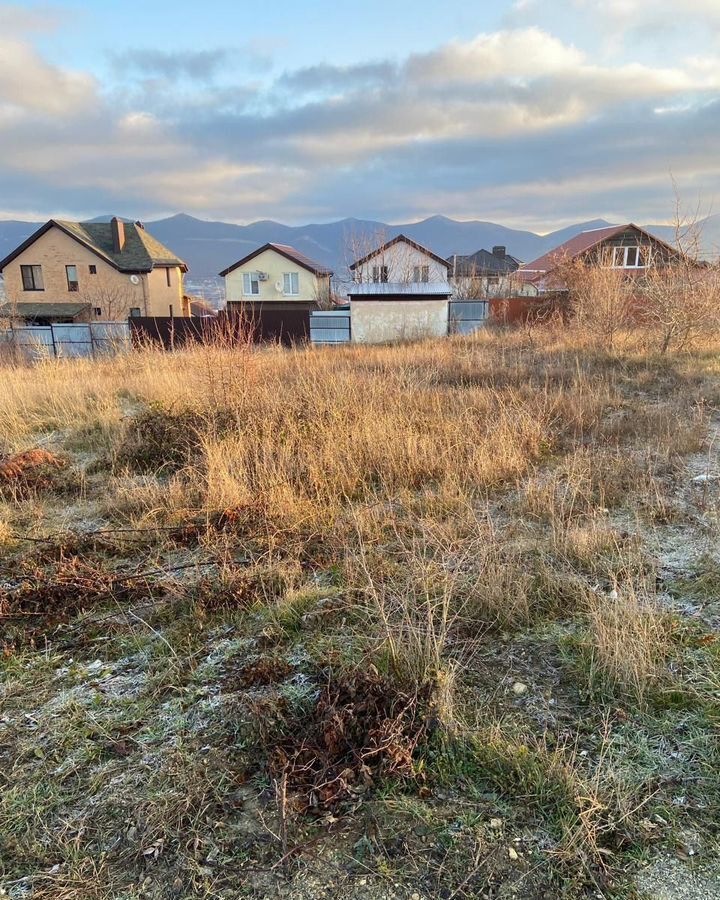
[(209, 247)]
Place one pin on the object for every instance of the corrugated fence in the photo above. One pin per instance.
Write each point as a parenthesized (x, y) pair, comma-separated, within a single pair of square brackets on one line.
[(35, 342)]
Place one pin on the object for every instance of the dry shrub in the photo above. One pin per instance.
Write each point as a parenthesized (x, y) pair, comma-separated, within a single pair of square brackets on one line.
[(601, 300), (628, 640), (361, 730)]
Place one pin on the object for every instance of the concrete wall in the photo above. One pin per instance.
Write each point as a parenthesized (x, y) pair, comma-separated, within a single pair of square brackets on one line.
[(401, 260), (108, 289), (378, 321), (276, 265)]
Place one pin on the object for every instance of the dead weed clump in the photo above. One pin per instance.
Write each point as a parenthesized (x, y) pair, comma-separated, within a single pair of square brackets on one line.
[(361, 731)]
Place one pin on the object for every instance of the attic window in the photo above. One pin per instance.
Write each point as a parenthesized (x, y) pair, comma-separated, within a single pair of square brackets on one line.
[(421, 274), (380, 274), (630, 257), (92, 270)]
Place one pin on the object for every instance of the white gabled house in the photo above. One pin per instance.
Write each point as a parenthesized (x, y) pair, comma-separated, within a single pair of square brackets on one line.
[(400, 291)]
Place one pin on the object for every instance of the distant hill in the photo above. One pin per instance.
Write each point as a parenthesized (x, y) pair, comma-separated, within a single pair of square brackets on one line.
[(209, 247)]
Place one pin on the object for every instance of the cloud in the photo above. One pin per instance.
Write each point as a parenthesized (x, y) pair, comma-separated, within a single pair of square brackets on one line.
[(172, 64), (16, 19), (510, 124)]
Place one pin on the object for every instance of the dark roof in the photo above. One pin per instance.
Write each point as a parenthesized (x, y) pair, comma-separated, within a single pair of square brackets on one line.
[(395, 240), (482, 263), (24, 310), (577, 246), (289, 253), (141, 252)]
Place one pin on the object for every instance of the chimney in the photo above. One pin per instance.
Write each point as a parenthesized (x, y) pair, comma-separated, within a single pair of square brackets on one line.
[(500, 252), (118, 234)]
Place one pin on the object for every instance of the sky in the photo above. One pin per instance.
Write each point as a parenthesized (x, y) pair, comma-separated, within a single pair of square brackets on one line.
[(530, 113)]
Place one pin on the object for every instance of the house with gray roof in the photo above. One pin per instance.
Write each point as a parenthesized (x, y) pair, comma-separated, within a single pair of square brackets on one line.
[(92, 271)]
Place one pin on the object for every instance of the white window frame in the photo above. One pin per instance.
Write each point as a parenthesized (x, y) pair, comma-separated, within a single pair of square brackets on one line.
[(421, 274), (622, 254), (250, 280), (288, 278)]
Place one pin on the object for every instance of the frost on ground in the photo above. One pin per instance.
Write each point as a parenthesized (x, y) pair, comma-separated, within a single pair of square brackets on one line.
[(437, 620)]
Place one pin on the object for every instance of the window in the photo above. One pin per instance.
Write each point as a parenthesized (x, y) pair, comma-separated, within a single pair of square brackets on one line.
[(32, 278), (167, 278), (72, 278), (92, 270), (629, 257), (291, 285), (421, 273), (251, 283), (98, 311), (380, 274), (135, 312)]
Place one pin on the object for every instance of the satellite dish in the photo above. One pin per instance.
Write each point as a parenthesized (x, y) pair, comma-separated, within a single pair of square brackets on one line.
[(279, 287), (135, 279)]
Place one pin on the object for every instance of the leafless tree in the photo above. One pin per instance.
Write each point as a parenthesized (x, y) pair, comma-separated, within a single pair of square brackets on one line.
[(114, 301)]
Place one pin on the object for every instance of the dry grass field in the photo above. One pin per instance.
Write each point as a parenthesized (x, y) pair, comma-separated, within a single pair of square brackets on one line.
[(433, 620)]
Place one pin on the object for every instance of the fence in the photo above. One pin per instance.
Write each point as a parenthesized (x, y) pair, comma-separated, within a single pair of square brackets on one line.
[(330, 326), (34, 342), (466, 316)]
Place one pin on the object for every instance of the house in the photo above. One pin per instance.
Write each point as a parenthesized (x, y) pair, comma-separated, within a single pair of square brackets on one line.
[(277, 274), (400, 292), (626, 247), (400, 261), (483, 274), (111, 269)]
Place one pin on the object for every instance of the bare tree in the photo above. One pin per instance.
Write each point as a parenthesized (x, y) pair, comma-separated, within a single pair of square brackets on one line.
[(114, 301), (680, 300), (600, 298)]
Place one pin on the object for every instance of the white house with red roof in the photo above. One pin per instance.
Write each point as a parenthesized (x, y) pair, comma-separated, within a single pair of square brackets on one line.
[(627, 247)]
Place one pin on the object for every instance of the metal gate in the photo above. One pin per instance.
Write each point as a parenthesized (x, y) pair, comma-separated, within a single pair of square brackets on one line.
[(466, 316), (330, 326)]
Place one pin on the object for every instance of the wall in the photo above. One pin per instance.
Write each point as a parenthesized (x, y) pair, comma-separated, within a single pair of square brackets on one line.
[(161, 297), (275, 265), (377, 321), (401, 259), (109, 289)]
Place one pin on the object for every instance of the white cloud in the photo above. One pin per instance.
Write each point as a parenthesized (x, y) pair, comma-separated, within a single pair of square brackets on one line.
[(511, 114)]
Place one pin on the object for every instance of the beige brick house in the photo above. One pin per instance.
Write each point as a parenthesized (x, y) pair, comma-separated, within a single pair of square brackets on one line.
[(92, 271)]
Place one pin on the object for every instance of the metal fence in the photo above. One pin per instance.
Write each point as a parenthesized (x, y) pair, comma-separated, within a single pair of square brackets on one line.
[(330, 326), (35, 342), (466, 316)]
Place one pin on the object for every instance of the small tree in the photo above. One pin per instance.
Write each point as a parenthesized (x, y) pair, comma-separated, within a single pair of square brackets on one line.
[(115, 301), (680, 299), (600, 299)]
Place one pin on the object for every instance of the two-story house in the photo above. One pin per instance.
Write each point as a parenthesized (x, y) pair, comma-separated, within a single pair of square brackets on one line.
[(483, 274), (400, 292), (276, 274), (628, 248), (92, 271)]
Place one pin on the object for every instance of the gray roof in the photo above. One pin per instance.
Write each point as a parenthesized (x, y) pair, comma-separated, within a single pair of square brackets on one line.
[(45, 310), (411, 289), (483, 262), (140, 253)]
